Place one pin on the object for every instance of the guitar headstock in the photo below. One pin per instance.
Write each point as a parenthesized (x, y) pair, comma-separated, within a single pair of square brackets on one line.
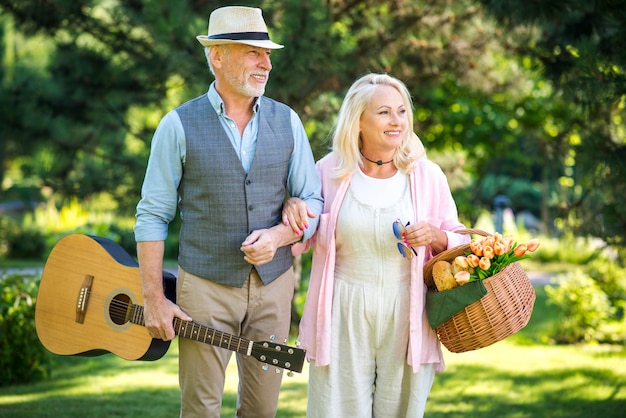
[(279, 355)]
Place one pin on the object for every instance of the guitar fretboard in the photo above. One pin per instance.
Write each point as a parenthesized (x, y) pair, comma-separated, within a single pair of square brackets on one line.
[(198, 332)]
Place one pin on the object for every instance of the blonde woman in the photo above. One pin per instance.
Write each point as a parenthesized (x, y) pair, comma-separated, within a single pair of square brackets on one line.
[(364, 325)]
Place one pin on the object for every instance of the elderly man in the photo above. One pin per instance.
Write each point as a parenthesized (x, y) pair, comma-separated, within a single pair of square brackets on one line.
[(227, 160)]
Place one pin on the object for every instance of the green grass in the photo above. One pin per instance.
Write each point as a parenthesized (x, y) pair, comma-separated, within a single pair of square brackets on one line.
[(519, 377)]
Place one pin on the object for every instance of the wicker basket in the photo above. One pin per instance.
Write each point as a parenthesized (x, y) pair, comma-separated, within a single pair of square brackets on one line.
[(504, 310)]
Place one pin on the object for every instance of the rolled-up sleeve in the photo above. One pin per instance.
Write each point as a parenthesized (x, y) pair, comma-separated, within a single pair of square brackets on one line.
[(159, 193), (303, 181)]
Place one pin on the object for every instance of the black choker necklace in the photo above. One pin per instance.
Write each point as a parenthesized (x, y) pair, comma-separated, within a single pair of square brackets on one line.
[(379, 162)]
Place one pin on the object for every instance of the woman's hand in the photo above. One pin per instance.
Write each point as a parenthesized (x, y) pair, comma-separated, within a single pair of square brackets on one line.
[(296, 213), (425, 234)]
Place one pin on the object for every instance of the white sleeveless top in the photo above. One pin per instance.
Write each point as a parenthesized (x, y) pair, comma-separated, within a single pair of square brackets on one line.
[(366, 246)]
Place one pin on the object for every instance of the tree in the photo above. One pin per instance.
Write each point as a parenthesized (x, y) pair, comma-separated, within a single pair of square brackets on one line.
[(111, 69), (107, 71), (579, 47), (79, 126)]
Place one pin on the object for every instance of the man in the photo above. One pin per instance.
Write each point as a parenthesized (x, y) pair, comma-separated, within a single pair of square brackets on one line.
[(227, 160)]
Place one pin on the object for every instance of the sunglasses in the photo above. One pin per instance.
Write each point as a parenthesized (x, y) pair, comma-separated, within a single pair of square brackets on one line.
[(399, 231)]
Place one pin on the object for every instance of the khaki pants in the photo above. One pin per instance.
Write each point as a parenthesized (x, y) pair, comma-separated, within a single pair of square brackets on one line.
[(254, 312)]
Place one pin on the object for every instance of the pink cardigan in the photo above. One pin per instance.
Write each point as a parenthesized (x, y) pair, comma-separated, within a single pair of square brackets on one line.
[(433, 202)]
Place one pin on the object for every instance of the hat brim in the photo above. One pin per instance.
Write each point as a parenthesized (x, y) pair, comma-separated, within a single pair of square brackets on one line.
[(204, 40)]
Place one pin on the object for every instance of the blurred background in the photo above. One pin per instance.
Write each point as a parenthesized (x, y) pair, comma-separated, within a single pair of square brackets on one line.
[(522, 103)]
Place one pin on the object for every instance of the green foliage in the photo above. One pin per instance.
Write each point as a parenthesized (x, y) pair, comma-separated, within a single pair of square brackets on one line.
[(28, 244), (591, 298), (611, 278), (33, 236), (532, 101), (578, 46), (20, 241), (22, 357), (583, 305), (568, 249)]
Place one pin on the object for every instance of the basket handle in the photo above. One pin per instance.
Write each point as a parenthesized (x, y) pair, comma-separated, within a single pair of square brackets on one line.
[(475, 231)]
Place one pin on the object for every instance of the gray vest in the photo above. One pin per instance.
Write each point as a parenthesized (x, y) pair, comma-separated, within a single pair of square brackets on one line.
[(220, 205)]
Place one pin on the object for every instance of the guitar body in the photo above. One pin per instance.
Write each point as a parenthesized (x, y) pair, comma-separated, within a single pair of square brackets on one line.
[(82, 284)]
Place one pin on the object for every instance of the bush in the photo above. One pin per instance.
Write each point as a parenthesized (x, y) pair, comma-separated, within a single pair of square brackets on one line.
[(26, 244), (567, 249), (584, 307), (611, 278), (23, 358), (18, 242)]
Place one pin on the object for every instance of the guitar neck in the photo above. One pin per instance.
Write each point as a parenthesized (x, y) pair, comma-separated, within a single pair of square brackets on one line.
[(198, 332)]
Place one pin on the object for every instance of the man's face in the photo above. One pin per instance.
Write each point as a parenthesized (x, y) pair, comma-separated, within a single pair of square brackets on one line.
[(245, 69)]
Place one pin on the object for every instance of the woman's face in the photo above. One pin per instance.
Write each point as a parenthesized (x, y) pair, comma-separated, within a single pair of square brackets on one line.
[(384, 120)]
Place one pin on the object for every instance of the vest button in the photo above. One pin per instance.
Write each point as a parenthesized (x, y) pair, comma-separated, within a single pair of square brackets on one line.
[(250, 207), (248, 182)]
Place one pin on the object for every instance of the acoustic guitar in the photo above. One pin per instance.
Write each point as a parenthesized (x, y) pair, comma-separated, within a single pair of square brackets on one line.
[(89, 303)]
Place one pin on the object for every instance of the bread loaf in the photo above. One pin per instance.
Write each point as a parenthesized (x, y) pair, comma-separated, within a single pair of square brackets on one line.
[(442, 276)]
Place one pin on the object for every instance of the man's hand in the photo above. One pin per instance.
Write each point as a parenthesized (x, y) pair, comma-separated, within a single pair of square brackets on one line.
[(260, 246), (159, 317), (158, 311)]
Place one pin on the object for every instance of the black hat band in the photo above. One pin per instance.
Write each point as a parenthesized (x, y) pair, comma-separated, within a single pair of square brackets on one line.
[(242, 36)]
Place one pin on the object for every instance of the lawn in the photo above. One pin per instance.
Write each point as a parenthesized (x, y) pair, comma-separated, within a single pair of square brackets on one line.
[(519, 377)]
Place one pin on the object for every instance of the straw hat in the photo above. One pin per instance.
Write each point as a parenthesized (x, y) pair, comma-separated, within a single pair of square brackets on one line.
[(237, 24)]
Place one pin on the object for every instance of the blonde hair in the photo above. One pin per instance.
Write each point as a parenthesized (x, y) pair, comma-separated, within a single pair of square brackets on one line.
[(346, 134)]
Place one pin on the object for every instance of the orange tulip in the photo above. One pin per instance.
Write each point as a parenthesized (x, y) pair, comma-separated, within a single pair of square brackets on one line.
[(461, 262), (462, 277), (533, 244), (520, 250), (499, 248), (476, 247), (488, 252), (472, 260), (508, 240), (497, 237), (484, 263)]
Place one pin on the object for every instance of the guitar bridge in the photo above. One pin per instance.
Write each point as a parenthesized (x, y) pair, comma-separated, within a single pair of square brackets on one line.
[(83, 298)]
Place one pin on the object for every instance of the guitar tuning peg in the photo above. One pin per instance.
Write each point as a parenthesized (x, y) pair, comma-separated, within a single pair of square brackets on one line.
[(298, 343), (278, 370), (266, 367), (290, 373), (285, 341), (272, 337)]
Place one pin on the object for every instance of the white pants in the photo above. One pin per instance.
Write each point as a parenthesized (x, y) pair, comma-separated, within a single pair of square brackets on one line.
[(368, 375)]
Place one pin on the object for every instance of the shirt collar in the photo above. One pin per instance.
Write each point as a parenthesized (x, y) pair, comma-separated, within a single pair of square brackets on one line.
[(218, 104)]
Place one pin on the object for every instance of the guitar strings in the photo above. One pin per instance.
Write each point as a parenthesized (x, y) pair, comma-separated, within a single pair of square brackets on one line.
[(119, 311), (186, 329)]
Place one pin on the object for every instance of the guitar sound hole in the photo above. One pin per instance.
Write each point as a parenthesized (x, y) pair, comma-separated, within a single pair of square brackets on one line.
[(118, 309)]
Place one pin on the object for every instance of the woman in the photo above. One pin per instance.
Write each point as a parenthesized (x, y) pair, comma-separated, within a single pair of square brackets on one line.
[(364, 325)]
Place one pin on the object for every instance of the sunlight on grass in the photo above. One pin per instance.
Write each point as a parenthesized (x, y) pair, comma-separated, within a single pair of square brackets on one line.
[(491, 380), (108, 379), (503, 380)]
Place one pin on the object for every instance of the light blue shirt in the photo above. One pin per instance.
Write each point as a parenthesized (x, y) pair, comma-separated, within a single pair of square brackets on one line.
[(159, 193)]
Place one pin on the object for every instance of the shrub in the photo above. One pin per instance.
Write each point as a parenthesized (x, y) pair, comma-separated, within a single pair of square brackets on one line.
[(22, 357), (568, 249), (26, 244), (584, 307), (611, 278)]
